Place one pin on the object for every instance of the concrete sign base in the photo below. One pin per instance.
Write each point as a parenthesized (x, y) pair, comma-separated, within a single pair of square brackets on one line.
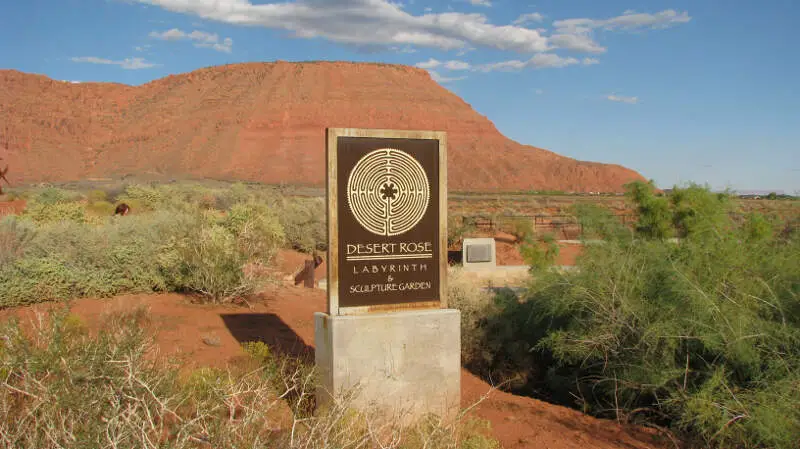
[(403, 365)]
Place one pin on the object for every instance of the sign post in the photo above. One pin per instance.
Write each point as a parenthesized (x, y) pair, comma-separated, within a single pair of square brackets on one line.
[(387, 328)]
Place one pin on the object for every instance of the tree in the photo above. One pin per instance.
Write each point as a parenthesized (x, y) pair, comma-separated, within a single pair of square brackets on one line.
[(654, 214)]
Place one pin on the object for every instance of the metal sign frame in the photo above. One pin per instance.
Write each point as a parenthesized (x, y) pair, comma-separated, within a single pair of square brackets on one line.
[(334, 198)]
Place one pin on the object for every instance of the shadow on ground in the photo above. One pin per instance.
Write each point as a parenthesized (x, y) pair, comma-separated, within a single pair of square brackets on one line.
[(271, 330)]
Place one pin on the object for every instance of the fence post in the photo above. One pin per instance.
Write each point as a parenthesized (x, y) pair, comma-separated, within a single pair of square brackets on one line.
[(309, 277)]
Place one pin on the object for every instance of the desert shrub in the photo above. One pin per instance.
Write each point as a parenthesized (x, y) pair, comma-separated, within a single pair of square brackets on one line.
[(68, 259), (186, 197), (475, 304), (160, 251), (696, 210), (257, 230), (43, 212), (210, 259), (598, 222), (54, 195), (539, 252), (457, 228), (100, 208), (96, 195), (66, 387), (521, 228), (146, 197), (208, 262), (241, 193), (700, 336), (653, 210), (304, 221), (15, 235)]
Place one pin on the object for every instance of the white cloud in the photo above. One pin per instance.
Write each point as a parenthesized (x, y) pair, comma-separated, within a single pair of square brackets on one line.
[(629, 20), (481, 2), (538, 61), (384, 24), (576, 34), (449, 65), (538, 91), (621, 99), (444, 79), (127, 63), (429, 64), (530, 17), (403, 49), (457, 65), (365, 22), (200, 39), (141, 47), (576, 40)]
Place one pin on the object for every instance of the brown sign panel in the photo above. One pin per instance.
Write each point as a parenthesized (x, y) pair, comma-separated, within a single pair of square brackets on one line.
[(386, 220)]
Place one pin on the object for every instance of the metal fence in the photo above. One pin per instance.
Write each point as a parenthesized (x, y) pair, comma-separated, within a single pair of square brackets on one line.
[(561, 224)]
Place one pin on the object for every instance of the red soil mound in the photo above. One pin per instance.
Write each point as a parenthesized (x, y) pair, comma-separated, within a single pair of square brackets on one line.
[(262, 122)]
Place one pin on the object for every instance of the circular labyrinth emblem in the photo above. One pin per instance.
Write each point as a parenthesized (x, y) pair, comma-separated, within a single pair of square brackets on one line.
[(388, 192)]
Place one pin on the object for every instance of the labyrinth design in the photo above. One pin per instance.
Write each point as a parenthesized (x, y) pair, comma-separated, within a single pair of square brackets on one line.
[(388, 192)]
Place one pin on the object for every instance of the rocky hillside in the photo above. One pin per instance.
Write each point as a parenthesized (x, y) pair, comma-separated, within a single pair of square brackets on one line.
[(261, 122)]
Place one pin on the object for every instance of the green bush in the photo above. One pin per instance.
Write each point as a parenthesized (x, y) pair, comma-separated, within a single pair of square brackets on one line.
[(160, 251), (96, 195), (54, 195), (475, 304), (654, 213), (540, 253), (257, 230), (47, 212), (519, 227), (15, 235), (598, 222), (701, 336), (304, 221), (101, 208)]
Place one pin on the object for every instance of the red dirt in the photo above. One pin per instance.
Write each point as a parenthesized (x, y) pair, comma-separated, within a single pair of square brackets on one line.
[(568, 252), (508, 253), (12, 207), (262, 122), (283, 318), (291, 262)]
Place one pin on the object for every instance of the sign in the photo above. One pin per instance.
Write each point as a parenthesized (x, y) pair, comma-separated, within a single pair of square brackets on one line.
[(387, 220)]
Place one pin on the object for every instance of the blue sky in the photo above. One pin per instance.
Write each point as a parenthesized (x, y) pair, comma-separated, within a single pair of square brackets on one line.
[(703, 91)]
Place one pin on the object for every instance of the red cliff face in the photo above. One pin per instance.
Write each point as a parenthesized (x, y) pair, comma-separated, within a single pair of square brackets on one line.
[(262, 122)]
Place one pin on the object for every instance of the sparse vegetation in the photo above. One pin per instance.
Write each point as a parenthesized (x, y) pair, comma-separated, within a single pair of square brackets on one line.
[(65, 387), (699, 337), (182, 237)]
